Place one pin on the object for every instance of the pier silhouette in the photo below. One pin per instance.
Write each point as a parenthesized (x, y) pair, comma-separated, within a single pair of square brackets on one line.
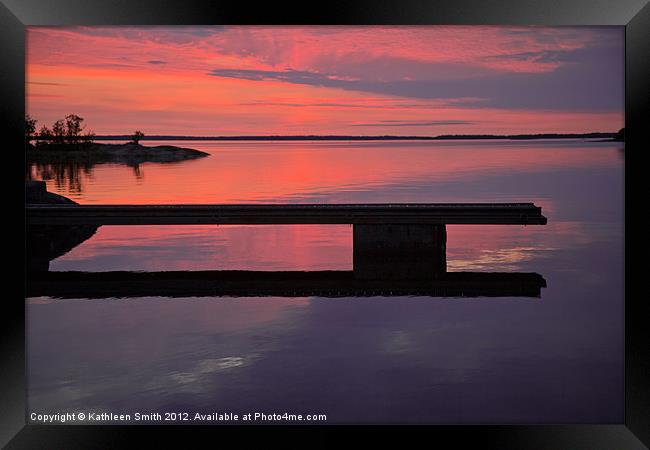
[(390, 241), (398, 249)]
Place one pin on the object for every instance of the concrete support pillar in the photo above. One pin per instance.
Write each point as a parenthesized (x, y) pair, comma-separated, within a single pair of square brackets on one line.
[(399, 251)]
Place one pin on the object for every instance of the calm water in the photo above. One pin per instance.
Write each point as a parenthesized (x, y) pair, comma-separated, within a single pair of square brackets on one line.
[(380, 359)]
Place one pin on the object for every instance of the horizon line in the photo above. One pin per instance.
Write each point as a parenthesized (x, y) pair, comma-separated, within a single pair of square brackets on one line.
[(595, 134)]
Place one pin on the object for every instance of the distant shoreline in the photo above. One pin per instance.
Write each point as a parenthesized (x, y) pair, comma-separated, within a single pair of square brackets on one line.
[(361, 138)]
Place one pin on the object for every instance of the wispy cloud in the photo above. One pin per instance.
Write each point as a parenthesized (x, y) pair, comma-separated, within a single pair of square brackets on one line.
[(410, 123), (593, 81), (45, 83)]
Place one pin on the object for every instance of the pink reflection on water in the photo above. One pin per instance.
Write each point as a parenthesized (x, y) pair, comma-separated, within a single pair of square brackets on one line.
[(228, 247), (246, 172)]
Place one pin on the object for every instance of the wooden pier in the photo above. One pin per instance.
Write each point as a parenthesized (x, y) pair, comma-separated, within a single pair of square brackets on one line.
[(265, 214), (397, 241)]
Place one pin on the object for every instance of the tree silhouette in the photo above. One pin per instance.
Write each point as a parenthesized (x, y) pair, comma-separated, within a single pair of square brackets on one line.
[(58, 132), (137, 135), (30, 128), (44, 133), (73, 128), (44, 136), (63, 132)]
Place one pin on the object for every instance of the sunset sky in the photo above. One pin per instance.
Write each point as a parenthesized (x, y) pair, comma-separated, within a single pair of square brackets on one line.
[(362, 80)]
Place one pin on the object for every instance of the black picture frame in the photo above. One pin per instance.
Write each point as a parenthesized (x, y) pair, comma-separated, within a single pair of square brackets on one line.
[(15, 15)]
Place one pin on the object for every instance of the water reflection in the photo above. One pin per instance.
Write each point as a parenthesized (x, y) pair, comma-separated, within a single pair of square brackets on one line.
[(404, 359), (343, 172), (66, 175), (71, 176)]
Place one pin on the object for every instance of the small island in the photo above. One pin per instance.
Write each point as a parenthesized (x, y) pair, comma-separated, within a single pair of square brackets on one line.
[(66, 142), (128, 153)]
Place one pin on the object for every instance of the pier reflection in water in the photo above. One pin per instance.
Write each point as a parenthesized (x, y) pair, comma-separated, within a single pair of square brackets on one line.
[(278, 284), (413, 263)]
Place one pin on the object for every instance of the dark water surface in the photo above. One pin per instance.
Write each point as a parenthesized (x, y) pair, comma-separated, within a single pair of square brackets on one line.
[(554, 359)]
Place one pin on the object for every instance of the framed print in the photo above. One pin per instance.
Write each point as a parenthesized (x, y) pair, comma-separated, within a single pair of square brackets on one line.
[(367, 213)]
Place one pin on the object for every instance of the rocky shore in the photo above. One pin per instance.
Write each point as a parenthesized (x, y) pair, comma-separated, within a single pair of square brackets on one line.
[(129, 153)]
